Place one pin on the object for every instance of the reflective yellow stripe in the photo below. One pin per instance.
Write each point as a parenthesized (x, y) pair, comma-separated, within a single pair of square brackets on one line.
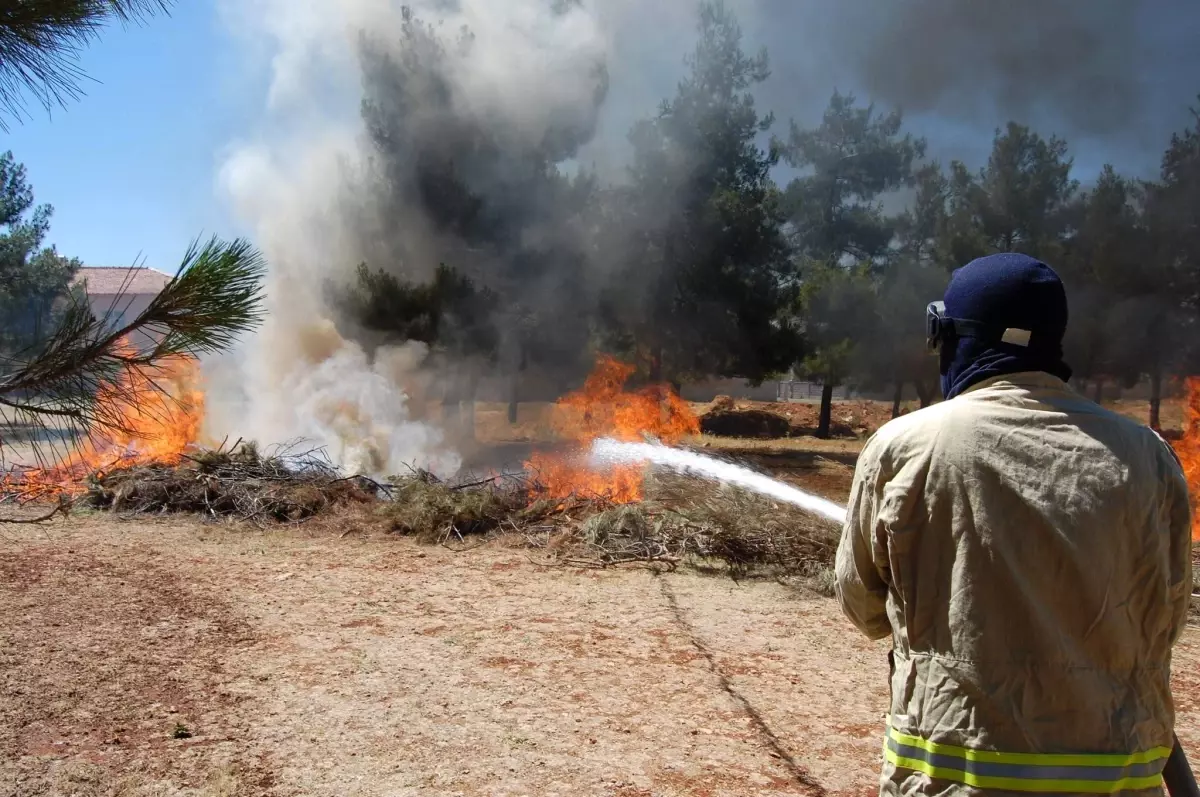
[(1100, 773), (1025, 784), (1043, 759)]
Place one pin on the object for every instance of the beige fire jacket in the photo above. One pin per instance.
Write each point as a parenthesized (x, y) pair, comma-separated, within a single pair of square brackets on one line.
[(1029, 553)]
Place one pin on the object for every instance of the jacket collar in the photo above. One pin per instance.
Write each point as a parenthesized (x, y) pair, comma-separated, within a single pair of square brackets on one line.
[(1025, 380)]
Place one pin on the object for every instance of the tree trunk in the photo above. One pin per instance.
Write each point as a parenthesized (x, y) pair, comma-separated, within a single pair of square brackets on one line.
[(897, 397), (656, 365), (450, 402), (1098, 391), (466, 407), (826, 410), (924, 394), (514, 395), (1155, 397)]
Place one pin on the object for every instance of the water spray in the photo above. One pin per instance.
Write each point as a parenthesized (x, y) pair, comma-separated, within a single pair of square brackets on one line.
[(607, 451)]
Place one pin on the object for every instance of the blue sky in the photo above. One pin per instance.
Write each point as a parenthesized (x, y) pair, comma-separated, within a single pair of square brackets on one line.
[(130, 168)]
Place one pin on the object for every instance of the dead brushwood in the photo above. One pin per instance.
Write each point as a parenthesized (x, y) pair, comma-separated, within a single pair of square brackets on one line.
[(239, 484), (435, 511), (682, 519)]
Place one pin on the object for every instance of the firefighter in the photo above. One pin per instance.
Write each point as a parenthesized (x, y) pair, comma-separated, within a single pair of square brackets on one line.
[(1029, 554)]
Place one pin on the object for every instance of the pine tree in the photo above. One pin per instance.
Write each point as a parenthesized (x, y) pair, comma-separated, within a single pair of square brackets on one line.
[(703, 274)]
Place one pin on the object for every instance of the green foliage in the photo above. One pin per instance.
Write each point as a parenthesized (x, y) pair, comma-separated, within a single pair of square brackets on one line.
[(1173, 215), (488, 198), (1107, 262), (33, 278), (895, 352), (699, 265), (447, 313), (839, 309), (1019, 202), (41, 41), (855, 155)]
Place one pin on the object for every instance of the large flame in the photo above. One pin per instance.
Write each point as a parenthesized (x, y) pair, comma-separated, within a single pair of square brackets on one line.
[(159, 412), (1188, 449), (603, 408)]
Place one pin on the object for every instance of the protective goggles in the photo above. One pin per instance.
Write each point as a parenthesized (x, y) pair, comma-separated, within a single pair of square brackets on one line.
[(939, 328)]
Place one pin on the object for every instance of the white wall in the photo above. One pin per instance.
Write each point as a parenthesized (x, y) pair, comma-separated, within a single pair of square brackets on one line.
[(126, 308)]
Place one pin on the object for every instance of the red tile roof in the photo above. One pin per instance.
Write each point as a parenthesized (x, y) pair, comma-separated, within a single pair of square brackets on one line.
[(106, 281)]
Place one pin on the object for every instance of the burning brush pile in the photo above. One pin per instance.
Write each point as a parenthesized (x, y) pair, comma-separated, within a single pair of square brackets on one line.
[(236, 483), (581, 516), (148, 461), (575, 514), (676, 519)]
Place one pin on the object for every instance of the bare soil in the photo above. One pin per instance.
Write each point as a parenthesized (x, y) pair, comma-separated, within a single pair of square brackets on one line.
[(302, 662), (170, 658)]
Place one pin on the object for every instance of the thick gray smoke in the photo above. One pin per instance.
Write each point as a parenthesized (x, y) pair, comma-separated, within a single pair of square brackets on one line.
[(498, 100), (1113, 77), (1074, 58), (457, 101)]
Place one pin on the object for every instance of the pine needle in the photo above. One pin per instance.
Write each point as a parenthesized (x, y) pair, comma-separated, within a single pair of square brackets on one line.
[(41, 41), (214, 298)]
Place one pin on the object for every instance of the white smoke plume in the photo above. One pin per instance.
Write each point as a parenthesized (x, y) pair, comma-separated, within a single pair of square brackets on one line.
[(291, 177)]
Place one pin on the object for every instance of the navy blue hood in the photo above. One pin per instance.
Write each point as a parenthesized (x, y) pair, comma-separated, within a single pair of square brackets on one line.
[(1004, 291)]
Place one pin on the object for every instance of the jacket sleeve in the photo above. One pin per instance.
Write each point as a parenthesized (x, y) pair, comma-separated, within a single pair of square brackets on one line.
[(860, 586), (1178, 511)]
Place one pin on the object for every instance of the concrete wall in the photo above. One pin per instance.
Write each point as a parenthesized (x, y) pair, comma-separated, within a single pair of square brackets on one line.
[(734, 388), (123, 310)]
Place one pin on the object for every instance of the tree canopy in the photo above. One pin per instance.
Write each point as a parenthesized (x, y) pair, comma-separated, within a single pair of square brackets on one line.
[(33, 277)]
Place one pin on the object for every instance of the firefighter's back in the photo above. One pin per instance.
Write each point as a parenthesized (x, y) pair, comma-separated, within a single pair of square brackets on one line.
[(1034, 558)]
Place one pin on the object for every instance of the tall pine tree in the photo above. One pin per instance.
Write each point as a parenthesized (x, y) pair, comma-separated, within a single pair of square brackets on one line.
[(840, 230), (703, 271)]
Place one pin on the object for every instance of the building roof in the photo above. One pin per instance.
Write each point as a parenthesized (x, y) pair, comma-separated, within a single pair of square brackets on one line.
[(102, 281)]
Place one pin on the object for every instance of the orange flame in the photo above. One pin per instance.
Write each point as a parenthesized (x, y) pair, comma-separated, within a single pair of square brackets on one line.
[(602, 408), (1188, 449), (159, 412)]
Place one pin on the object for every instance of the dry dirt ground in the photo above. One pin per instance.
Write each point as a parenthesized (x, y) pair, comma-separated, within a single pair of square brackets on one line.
[(308, 663), (169, 658)]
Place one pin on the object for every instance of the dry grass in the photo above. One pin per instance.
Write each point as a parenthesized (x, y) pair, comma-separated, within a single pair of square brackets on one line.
[(685, 521), (366, 666), (435, 511)]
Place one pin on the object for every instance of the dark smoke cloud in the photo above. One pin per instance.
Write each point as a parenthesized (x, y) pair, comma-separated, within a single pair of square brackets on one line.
[(1113, 77), (1074, 59)]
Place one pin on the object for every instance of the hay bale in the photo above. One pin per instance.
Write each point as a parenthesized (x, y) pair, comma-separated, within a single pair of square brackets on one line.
[(754, 424)]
